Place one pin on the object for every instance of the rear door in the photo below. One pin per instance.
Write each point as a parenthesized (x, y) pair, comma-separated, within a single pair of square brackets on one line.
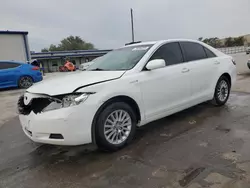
[(8, 74), (203, 70)]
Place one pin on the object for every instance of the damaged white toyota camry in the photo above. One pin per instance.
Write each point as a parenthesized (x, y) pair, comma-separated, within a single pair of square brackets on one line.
[(126, 88)]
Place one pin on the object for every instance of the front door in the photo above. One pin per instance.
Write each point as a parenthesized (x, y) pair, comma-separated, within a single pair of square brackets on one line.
[(168, 88)]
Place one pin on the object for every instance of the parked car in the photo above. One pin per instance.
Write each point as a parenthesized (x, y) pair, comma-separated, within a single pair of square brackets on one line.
[(84, 66), (126, 88), (248, 50), (18, 74)]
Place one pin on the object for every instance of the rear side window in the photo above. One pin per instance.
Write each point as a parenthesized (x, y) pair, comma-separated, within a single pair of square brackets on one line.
[(209, 53), (170, 52), (6, 65), (193, 51)]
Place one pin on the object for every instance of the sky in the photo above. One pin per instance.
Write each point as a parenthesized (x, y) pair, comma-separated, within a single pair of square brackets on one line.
[(106, 23)]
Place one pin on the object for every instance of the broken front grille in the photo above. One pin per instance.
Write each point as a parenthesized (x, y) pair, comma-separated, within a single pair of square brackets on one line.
[(36, 105)]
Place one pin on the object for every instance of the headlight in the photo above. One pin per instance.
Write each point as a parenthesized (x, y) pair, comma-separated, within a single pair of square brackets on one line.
[(72, 100), (67, 101)]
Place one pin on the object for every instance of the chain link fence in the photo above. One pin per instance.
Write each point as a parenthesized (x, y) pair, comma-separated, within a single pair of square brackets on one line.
[(233, 50)]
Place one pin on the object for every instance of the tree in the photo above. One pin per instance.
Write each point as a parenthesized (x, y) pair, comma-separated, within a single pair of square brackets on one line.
[(200, 38), (229, 42), (70, 43), (215, 42), (239, 41), (45, 50)]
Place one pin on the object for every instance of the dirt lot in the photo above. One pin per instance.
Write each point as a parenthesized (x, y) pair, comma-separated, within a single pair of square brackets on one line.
[(200, 147)]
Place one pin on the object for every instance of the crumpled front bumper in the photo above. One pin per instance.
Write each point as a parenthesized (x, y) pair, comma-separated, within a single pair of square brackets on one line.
[(72, 123)]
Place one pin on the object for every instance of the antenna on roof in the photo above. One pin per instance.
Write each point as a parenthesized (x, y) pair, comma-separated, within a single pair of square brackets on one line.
[(132, 29), (132, 25)]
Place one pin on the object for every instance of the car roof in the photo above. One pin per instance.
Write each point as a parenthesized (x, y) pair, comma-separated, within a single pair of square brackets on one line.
[(162, 41), (8, 61)]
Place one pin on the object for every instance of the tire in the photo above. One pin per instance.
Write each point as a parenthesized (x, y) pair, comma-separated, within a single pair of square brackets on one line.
[(25, 82), (222, 91), (119, 131)]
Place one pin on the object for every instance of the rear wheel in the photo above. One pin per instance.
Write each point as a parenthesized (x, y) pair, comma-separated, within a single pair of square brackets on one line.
[(25, 82), (115, 126), (222, 91)]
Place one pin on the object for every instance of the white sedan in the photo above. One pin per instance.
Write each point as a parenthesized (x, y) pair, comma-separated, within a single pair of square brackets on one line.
[(127, 88)]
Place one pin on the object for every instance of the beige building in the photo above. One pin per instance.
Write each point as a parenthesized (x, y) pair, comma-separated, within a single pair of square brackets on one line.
[(247, 39), (14, 46)]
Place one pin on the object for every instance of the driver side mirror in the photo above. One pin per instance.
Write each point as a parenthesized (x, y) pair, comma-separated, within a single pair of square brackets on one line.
[(156, 64)]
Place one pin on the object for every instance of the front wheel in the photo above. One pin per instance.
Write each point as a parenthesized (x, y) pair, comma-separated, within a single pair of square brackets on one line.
[(25, 82), (222, 91), (115, 126)]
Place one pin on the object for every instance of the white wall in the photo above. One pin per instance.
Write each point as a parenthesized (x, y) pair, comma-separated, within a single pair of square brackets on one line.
[(12, 47)]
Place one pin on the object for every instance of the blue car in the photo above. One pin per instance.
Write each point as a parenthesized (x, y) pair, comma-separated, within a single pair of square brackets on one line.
[(18, 74)]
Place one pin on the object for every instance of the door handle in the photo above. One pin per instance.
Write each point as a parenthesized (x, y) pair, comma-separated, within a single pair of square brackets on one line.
[(216, 62), (185, 70)]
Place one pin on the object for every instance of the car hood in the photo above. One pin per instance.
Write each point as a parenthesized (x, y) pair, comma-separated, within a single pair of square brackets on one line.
[(68, 83)]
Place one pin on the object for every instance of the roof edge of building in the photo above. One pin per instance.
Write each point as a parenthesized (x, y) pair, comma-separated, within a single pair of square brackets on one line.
[(14, 32), (70, 51)]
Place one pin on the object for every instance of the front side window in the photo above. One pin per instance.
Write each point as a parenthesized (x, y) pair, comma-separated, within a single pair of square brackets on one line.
[(121, 59), (170, 52), (6, 65), (193, 51)]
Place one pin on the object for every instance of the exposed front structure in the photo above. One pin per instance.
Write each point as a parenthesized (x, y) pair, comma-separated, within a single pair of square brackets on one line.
[(14, 46)]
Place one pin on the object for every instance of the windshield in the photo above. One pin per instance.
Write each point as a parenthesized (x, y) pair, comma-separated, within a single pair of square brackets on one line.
[(121, 59)]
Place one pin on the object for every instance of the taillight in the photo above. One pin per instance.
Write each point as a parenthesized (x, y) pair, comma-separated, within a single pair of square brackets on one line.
[(233, 61), (35, 68)]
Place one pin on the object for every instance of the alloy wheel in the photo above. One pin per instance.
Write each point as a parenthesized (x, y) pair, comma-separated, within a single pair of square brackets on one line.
[(117, 127), (25, 82), (223, 91)]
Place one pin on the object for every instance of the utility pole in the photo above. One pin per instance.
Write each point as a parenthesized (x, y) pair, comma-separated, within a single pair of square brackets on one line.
[(132, 25)]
